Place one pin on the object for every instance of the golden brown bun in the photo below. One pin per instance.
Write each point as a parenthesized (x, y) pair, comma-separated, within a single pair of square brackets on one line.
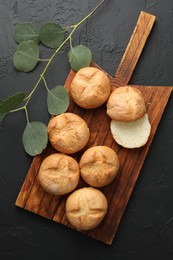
[(59, 174), (126, 104), (68, 133), (86, 208), (99, 166), (90, 87)]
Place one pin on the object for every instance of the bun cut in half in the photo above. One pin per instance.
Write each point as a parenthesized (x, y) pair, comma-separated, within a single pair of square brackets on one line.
[(126, 104), (90, 87), (131, 134), (86, 208), (130, 126)]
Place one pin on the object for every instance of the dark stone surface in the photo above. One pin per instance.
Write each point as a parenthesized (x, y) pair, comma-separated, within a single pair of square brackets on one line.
[(146, 230)]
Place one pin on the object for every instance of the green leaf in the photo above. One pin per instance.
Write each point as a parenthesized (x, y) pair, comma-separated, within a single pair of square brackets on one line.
[(26, 56), (2, 115), (25, 32), (35, 137), (52, 35), (80, 56), (10, 104), (57, 100)]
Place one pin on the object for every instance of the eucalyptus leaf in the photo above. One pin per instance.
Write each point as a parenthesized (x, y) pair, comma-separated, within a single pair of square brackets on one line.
[(26, 56), (52, 35), (25, 32), (80, 56), (57, 100), (35, 137), (10, 103), (2, 115)]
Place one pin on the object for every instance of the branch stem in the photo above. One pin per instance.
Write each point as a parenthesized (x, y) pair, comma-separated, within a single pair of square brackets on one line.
[(17, 109), (45, 83), (69, 37), (26, 113)]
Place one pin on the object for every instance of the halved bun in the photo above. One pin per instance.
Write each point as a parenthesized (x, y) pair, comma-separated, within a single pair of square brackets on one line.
[(126, 104), (131, 134), (90, 87)]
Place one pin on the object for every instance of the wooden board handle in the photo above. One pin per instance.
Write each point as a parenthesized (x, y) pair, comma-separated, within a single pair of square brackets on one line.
[(134, 48)]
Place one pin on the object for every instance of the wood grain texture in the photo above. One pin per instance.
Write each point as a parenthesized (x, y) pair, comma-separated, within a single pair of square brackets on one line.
[(134, 48), (33, 198)]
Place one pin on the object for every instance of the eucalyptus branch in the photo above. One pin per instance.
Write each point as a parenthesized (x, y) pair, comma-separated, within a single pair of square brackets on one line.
[(69, 37), (75, 27), (26, 57)]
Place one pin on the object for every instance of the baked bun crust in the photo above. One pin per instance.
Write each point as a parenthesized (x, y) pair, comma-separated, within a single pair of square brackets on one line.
[(68, 133), (86, 208), (131, 134), (90, 87), (99, 166), (59, 174), (126, 104)]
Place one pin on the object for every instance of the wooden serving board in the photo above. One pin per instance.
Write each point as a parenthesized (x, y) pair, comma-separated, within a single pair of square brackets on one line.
[(33, 198)]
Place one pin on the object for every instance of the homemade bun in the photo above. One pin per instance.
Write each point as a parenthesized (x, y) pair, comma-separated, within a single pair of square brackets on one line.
[(68, 133), (90, 87), (131, 134), (86, 208), (99, 166), (59, 174), (126, 104)]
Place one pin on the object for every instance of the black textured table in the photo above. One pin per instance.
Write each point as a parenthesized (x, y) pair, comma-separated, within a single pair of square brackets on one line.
[(146, 229)]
